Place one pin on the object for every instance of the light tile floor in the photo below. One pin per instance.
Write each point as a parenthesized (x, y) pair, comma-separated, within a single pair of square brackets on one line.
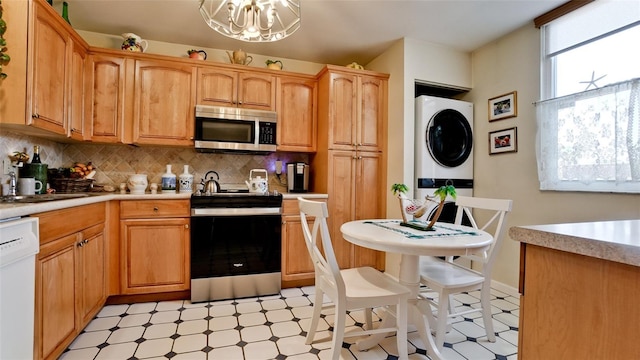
[(271, 327)]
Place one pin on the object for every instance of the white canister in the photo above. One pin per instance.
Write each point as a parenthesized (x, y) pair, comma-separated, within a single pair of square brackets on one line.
[(186, 181), (137, 184), (169, 181)]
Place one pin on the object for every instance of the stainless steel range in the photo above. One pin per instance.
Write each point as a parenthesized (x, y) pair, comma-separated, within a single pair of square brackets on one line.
[(235, 245)]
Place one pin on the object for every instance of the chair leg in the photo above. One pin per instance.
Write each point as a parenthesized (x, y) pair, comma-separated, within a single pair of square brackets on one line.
[(401, 334), (485, 300), (443, 311), (368, 318), (317, 310), (339, 323)]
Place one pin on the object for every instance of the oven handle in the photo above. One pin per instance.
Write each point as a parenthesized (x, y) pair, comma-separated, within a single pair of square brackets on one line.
[(235, 211)]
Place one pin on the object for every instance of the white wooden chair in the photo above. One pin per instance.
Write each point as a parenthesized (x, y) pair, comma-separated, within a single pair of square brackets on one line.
[(349, 289), (446, 277)]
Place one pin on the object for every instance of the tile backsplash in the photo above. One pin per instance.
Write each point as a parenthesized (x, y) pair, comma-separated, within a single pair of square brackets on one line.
[(115, 163)]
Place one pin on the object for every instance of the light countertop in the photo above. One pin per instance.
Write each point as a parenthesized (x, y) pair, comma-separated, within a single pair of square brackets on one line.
[(8, 210), (617, 241)]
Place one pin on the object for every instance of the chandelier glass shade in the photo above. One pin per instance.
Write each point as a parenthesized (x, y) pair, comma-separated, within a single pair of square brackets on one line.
[(252, 20)]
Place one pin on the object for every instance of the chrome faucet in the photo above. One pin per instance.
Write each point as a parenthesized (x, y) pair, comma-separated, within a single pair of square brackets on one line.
[(13, 184)]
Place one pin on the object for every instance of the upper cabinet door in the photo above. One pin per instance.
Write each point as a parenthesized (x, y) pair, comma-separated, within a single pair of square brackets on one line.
[(342, 111), (372, 112), (297, 120), (217, 87), (222, 87), (164, 107), (105, 98), (49, 71), (256, 91), (76, 92)]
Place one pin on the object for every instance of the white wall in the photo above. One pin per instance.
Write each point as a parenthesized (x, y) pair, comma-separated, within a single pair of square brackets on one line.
[(215, 55), (407, 61), (507, 64)]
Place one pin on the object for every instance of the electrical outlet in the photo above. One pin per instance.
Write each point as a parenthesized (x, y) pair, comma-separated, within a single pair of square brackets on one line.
[(7, 167)]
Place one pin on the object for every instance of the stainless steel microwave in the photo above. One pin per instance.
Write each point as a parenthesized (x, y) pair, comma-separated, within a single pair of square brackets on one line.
[(227, 129)]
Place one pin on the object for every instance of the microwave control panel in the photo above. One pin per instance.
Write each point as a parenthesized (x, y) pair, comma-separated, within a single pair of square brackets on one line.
[(267, 133)]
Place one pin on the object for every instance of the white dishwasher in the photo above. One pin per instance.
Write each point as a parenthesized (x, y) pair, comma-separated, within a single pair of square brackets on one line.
[(19, 244)]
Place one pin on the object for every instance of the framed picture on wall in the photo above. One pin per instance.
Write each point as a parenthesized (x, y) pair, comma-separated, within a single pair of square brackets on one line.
[(503, 141), (503, 106)]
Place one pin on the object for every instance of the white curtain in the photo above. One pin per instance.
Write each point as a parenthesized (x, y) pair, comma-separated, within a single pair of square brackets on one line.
[(590, 141)]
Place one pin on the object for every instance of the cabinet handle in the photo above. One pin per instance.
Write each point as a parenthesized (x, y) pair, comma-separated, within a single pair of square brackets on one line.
[(35, 116), (80, 244), (155, 208), (186, 226)]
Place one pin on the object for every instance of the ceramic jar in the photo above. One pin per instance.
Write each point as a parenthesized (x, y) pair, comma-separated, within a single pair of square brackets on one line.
[(186, 181), (169, 181), (133, 42), (137, 184)]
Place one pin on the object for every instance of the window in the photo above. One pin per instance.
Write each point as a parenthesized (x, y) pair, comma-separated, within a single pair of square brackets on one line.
[(589, 116)]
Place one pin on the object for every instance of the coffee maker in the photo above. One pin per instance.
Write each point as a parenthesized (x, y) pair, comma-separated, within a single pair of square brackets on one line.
[(297, 177)]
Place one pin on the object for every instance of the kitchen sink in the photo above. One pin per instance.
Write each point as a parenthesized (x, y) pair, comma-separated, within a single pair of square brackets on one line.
[(39, 198)]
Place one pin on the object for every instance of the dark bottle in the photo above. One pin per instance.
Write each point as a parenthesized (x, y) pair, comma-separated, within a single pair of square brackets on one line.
[(65, 12), (36, 155)]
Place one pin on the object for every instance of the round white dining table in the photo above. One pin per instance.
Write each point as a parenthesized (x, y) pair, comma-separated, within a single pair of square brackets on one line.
[(387, 235)]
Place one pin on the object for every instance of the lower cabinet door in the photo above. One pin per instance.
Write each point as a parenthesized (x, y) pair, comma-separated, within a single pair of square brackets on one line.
[(296, 262), (55, 294), (92, 276), (156, 254)]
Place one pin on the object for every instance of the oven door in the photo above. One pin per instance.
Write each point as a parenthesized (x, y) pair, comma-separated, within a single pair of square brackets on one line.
[(235, 256)]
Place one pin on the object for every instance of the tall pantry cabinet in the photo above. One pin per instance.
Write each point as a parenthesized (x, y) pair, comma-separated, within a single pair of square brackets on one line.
[(350, 164)]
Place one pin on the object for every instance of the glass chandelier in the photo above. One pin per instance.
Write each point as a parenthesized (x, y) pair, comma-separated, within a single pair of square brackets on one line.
[(252, 20)]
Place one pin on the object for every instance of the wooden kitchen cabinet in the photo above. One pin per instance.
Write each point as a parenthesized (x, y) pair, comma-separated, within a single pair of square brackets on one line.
[(296, 108), (245, 89), (76, 128), (297, 268), (164, 102), (354, 109), (155, 246), (350, 162), (50, 56), (106, 97), (70, 276)]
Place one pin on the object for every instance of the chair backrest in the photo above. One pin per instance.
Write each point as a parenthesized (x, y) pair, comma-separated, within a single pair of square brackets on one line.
[(497, 209), (327, 271)]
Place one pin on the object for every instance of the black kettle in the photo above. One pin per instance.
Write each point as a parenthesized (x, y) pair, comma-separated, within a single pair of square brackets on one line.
[(210, 186)]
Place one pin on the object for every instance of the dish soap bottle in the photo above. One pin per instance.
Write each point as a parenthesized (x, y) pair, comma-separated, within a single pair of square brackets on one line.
[(186, 181), (169, 181)]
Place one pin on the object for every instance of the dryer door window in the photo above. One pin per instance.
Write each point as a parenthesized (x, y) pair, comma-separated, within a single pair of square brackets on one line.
[(449, 138)]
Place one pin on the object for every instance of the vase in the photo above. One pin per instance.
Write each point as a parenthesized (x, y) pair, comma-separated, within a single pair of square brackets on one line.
[(137, 184), (186, 181), (169, 181)]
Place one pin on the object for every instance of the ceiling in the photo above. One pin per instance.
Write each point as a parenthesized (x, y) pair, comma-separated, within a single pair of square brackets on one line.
[(332, 31)]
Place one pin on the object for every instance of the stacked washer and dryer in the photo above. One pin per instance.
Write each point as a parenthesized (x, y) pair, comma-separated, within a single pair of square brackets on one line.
[(443, 150)]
